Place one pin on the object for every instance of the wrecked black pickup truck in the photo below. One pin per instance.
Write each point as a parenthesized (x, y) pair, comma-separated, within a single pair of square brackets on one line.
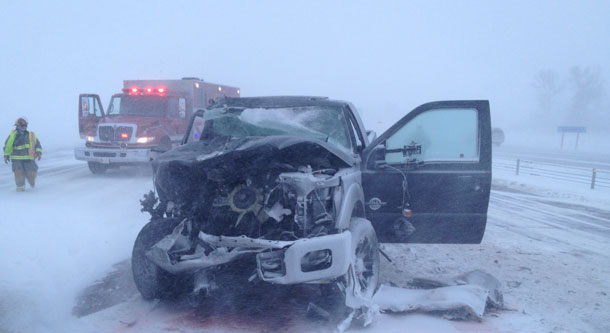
[(289, 190)]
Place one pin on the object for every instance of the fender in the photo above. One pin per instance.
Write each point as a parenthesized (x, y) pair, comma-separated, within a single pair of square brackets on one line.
[(353, 196)]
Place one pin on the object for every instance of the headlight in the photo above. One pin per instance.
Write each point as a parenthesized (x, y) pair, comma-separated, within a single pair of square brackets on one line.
[(90, 138), (145, 139)]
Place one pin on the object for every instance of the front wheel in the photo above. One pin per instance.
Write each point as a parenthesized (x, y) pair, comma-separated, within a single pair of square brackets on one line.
[(152, 281), (97, 168), (363, 275)]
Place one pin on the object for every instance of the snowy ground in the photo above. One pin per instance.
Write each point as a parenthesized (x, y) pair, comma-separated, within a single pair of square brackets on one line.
[(547, 242)]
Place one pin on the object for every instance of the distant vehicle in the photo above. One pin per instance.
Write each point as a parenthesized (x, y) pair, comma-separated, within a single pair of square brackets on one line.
[(497, 136), (149, 117), (290, 190)]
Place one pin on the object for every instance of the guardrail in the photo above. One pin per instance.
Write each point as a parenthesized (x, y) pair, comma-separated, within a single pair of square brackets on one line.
[(596, 178)]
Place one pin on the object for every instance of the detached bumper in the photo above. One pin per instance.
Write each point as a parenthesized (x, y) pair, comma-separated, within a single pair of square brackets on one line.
[(289, 262), (107, 156), (311, 259)]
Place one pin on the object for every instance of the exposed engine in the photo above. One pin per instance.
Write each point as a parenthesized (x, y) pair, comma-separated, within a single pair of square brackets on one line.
[(279, 204), (267, 196), (233, 204), (284, 206)]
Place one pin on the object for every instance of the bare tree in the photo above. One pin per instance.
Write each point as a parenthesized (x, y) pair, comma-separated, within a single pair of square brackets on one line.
[(588, 93), (549, 87)]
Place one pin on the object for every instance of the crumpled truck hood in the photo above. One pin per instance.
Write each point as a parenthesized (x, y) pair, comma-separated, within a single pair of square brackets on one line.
[(217, 150), (179, 172)]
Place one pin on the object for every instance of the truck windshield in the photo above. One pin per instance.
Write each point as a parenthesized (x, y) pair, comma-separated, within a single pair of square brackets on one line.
[(128, 105), (318, 122)]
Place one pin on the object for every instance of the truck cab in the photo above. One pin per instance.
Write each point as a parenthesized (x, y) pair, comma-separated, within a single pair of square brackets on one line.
[(149, 117), (295, 189)]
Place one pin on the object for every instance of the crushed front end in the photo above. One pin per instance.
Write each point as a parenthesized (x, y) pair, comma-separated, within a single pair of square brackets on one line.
[(268, 205)]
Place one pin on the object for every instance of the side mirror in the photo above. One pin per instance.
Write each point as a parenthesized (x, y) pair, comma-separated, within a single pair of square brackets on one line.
[(378, 155), (376, 158)]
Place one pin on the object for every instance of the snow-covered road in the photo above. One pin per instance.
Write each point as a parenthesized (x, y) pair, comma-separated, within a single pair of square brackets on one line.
[(548, 243)]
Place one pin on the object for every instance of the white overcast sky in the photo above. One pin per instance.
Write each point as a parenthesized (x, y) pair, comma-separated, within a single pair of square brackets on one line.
[(386, 57)]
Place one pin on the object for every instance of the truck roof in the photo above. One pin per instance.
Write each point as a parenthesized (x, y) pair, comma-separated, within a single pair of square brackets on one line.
[(278, 101), (187, 85)]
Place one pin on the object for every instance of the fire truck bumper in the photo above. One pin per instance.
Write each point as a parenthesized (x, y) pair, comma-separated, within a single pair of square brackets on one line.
[(107, 156)]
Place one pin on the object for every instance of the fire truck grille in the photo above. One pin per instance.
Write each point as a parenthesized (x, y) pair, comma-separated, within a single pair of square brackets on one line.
[(106, 133), (120, 133)]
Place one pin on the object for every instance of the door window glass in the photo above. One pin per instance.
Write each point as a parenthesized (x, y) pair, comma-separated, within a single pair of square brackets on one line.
[(97, 109), (444, 135), (85, 106), (90, 107), (114, 108)]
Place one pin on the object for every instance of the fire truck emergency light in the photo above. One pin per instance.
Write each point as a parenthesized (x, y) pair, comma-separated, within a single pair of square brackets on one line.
[(136, 90), (124, 136)]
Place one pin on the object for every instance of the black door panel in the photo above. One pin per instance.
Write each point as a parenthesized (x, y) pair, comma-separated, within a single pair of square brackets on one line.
[(447, 186)]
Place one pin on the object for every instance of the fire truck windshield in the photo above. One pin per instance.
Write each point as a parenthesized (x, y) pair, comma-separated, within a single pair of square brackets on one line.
[(131, 105)]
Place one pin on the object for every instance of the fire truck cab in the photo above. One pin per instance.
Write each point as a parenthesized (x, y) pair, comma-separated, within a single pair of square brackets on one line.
[(148, 118)]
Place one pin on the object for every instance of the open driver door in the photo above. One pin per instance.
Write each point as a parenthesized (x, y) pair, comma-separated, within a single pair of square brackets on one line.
[(90, 112), (427, 179)]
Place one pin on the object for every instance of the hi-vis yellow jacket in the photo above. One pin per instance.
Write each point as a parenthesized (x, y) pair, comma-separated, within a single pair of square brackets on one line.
[(22, 147)]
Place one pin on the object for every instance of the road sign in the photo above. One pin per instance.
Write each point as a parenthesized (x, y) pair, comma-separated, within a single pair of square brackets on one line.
[(571, 129)]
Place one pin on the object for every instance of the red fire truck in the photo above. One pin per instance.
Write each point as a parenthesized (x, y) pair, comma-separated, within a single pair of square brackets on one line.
[(148, 118)]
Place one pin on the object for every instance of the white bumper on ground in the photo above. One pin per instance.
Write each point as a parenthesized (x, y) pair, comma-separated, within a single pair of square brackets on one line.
[(107, 156)]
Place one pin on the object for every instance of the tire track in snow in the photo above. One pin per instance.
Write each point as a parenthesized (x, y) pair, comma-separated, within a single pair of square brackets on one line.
[(568, 215), (548, 222)]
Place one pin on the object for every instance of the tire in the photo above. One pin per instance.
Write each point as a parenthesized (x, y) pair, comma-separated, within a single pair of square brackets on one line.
[(363, 277), (153, 282), (97, 168)]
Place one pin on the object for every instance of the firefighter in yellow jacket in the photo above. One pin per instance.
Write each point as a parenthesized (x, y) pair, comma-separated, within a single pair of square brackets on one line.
[(22, 147)]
